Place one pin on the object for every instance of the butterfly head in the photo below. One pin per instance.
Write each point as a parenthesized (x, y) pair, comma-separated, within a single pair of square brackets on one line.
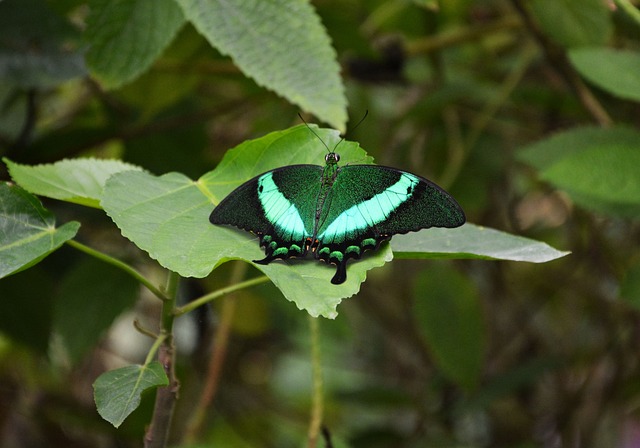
[(332, 158)]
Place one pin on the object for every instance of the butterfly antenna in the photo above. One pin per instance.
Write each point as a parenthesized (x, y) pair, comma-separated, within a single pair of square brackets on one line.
[(366, 112), (313, 132)]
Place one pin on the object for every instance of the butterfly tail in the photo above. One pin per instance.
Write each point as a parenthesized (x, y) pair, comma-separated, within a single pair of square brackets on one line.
[(341, 273)]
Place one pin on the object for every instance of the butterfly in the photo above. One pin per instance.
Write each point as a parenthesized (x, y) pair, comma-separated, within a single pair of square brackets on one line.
[(336, 212)]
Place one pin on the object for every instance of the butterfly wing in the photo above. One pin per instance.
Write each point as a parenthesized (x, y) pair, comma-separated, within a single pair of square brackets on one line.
[(278, 206), (370, 203)]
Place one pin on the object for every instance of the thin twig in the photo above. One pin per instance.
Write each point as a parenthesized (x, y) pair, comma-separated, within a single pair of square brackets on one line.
[(157, 434), (628, 8), (469, 34), (318, 400), (119, 264), (219, 293), (138, 326), (559, 62)]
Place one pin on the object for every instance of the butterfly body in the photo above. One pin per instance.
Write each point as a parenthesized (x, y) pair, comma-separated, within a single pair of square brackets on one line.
[(335, 212)]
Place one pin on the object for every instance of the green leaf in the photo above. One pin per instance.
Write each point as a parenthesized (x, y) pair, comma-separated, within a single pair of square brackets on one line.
[(88, 291), (117, 392), (27, 230), (471, 241), (126, 36), (597, 167), (168, 216), (279, 43), (544, 153), (80, 180), (616, 71), (36, 47), (573, 23), (608, 174), (449, 314)]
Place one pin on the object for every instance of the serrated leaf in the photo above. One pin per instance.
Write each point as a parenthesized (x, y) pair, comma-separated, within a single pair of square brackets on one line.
[(117, 392), (168, 216), (126, 37), (472, 241), (616, 71), (27, 230), (79, 180), (88, 290), (279, 43), (597, 167), (573, 23), (448, 310)]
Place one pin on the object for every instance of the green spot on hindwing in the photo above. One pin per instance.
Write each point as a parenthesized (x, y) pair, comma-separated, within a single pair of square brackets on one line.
[(368, 242), (281, 251), (353, 249)]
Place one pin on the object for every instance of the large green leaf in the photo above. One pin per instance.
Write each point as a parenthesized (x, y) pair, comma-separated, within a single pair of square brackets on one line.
[(117, 392), (168, 216), (27, 230), (449, 312), (279, 43), (616, 71), (573, 23), (597, 167), (126, 36), (80, 180), (87, 303), (471, 241)]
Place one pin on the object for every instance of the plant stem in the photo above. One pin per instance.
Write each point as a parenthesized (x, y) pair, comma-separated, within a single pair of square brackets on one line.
[(461, 36), (157, 434), (316, 363), (219, 293), (119, 264), (631, 10), (559, 61)]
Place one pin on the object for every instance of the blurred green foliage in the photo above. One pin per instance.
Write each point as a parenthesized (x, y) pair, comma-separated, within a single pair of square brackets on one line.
[(469, 353)]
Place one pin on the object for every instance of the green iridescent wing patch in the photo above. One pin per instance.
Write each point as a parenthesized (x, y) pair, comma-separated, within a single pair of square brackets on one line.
[(336, 212)]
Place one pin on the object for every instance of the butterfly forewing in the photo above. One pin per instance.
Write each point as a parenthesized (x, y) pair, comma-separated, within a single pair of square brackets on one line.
[(299, 185), (413, 203)]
